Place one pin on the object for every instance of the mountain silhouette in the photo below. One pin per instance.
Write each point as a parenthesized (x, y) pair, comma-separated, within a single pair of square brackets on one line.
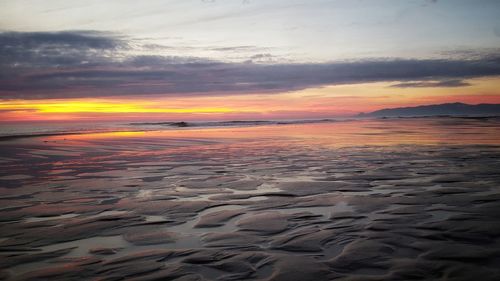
[(445, 109)]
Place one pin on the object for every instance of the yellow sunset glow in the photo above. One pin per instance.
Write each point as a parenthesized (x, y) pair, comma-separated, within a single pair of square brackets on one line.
[(102, 107)]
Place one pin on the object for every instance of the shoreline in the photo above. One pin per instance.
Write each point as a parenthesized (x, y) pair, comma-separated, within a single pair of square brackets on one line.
[(170, 126)]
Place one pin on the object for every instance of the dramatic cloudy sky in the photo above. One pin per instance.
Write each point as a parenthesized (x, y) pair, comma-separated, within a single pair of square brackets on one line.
[(243, 59)]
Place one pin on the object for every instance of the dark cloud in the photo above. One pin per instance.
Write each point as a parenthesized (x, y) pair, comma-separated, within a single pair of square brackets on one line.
[(262, 58), (90, 64), (430, 84), (69, 39), (56, 49)]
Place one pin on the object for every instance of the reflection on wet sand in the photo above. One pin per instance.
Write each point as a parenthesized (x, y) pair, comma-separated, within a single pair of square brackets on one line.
[(358, 200)]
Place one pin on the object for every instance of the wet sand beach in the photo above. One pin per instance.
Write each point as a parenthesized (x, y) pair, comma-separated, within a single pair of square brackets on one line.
[(394, 199)]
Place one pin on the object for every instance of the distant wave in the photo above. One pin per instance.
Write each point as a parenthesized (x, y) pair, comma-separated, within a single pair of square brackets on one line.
[(54, 133), (183, 124), (47, 130)]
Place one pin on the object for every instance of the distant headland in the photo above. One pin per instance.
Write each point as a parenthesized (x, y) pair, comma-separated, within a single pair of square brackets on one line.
[(445, 109)]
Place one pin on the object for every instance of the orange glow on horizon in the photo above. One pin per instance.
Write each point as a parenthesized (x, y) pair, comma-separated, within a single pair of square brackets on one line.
[(324, 102)]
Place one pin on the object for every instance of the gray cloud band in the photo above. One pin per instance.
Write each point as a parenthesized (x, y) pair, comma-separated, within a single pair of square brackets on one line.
[(91, 64)]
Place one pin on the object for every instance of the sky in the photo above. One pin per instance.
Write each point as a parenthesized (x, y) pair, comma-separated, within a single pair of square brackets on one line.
[(242, 59)]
